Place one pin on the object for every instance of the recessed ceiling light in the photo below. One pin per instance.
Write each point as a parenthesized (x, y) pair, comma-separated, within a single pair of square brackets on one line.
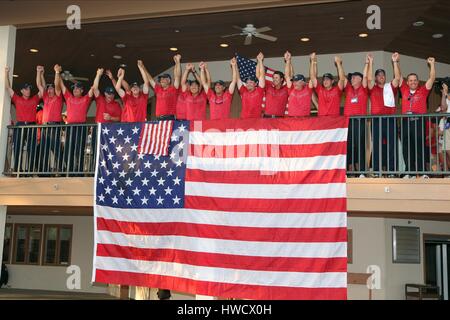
[(173, 49), (363, 35), (176, 30), (15, 75), (117, 57), (304, 39), (123, 65), (418, 24), (56, 211), (92, 55), (120, 45), (34, 50), (437, 35), (341, 18), (224, 45)]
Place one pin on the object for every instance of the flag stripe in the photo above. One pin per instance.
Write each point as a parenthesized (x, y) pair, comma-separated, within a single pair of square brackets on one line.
[(267, 163), (225, 261), (224, 275), (233, 247), (224, 232), (254, 177), (263, 205), (271, 150), (219, 289), (232, 219), (266, 191), (266, 137)]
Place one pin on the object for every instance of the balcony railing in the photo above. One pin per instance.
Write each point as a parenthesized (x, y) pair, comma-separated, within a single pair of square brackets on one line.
[(389, 146)]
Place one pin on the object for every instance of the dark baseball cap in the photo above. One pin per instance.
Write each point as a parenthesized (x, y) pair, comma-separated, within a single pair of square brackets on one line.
[(328, 75), (26, 85), (299, 77), (252, 78), (164, 75), (359, 74), (77, 85), (380, 71), (134, 84), (50, 85), (221, 82), (193, 81), (110, 90)]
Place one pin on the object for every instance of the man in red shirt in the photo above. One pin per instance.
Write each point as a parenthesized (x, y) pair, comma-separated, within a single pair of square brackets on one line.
[(356, 98), (26, 106), (220, 98), (300, 91), (329, 96), (414, 101), (252, 93), (195, 99), (166, 93), (276, 94), (135, 101), (77, 108), (51, 136), (384, 130)]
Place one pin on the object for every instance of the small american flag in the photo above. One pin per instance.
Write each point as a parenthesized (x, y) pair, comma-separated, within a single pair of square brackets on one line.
[(252, 209), (247, 68), (154, 138)]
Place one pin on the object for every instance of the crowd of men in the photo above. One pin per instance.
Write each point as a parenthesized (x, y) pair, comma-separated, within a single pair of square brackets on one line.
[(289, 95)]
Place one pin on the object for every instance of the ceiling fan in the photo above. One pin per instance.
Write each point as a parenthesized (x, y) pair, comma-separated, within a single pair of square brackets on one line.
[(67, 76), (249, 31)]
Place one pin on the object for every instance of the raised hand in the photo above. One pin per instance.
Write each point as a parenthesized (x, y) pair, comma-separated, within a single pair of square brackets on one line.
[(190, 66), (287, 56), (233, 62), (260, 56), (395, 57), (370, 57), (100, 71), (57, 68), (109, 74), (40, 69), (338, 60), (431, 60), (202, 65), (177, 58), (313, 56), (140, 63), (445, 88), (120, 72)]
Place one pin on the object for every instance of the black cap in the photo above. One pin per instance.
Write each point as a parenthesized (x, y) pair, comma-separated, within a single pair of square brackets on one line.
[(328, 75), (221, 82), (134, 84), (359, 74), (164, 75), (77, 85), (251, 78), (110, 90), (193, 81), (380, 71), (26, 85), (50, 85), (299, 77)]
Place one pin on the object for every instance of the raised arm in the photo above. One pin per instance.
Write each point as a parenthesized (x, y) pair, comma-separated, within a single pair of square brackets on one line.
[(118, 86), (145, 77), (432, 64), (150, 79), (111, 77), (8, 83), (59, 84), (177, 71), (97, 81), (342, 82), (398, 80), (187, 69), (203, 77), (288, 69), (39, 84), (260, 67), (370, 82), (313, 69), (444, 105), (234, 76), (365, 81)]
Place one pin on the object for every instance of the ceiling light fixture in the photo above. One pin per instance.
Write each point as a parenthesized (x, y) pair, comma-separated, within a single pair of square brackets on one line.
[(92, 55), (117, 57), (15, 75), (304, 39), (34, 50), (120, 45), (363, 35), (173, 49), (224, 45), (418, 24), (176, 30), (437, 35), (123, 65), (341, 18)]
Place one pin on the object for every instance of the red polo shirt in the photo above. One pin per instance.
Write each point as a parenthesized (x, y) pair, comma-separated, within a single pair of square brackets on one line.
[(300, 102), (181, 106), (418, 100), (219, 106), (276, 100), (166, 100), (251, 102), (135, 108), (52, 108), (77, 107), (329, 100), (377, 101), (25, 108), (112, 108), (355, 100), (195, 106)]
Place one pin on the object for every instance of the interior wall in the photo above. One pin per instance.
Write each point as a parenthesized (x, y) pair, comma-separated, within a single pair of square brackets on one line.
[(52, 277)]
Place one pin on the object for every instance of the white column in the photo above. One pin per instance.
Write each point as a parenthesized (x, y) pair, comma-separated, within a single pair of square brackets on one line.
[(7, 50)]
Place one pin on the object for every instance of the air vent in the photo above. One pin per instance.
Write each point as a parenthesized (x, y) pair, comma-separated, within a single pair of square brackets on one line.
[(405, 244)]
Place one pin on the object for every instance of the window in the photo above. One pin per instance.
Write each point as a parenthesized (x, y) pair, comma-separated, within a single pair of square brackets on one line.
[(7, 243), (27, 244), (57, 245)]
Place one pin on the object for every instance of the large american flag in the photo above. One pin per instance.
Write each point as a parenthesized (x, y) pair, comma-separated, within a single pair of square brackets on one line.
[(252, 209), (247, 68)]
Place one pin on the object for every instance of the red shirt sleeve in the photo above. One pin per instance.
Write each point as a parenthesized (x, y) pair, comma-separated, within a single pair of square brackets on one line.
[(210, 94), (242, 90), (14, 98), (318, 88), (158, 89), (67, 95)]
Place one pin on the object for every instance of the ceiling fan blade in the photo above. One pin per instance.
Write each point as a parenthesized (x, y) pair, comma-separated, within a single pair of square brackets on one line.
[(263, 29), (265, 37), (248, 40), (237, 27), (80, 78), (231, 35)]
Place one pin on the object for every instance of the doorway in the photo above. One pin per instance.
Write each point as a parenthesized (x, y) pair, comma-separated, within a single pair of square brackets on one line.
[(437, 263)]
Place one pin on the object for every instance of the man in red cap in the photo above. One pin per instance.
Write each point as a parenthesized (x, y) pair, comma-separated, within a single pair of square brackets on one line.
[(26, 106)]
